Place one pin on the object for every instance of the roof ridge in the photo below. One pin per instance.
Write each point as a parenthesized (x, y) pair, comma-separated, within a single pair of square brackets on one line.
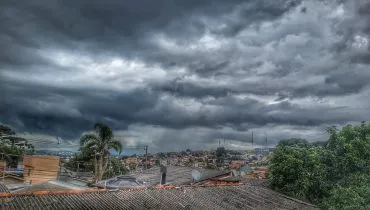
[(47, 192)]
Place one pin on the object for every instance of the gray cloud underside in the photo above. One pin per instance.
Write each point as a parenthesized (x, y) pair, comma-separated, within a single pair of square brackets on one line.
[(184, 73)]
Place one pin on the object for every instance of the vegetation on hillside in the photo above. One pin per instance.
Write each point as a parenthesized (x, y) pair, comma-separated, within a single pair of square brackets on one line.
[(333, 174)]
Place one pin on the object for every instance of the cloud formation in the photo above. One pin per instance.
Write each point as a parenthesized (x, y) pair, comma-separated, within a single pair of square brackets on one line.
[(184, 74)]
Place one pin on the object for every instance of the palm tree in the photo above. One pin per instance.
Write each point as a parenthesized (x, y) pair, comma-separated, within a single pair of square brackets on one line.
[(98, 146)]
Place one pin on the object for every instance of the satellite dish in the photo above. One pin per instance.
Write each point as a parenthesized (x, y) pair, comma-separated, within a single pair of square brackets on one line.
[(196, 175)]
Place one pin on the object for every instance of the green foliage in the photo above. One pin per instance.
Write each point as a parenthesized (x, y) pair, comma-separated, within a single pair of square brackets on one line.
[(220, 152), (12, 155), (5, 131), (334, 174), (356, 198), (80, 162), (293, 142), (115, 168), (12, 152), (96, 147), (297, 171)]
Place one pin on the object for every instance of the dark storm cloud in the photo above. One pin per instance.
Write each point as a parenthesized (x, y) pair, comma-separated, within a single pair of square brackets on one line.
[(114, 26), (217, 60), (65, 112)]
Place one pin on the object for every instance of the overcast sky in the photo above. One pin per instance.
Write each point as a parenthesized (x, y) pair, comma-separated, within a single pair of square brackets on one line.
[(184, 73)]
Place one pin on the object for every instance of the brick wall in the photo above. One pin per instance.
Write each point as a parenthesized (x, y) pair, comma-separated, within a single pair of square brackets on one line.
[(38, 169)]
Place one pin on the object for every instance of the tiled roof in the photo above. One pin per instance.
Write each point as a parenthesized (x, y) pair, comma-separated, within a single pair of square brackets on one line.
[(225, 197)]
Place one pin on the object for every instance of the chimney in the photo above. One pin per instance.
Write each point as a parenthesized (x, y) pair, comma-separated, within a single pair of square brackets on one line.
[(163, 171)]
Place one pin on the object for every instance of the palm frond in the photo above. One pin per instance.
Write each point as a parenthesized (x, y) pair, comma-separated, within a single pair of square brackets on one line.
[(116, 145), (87, 138), (105, 132)]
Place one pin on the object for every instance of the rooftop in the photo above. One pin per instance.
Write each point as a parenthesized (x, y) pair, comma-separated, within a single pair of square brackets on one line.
[(49, 186), (220, 197), (41, 187), (176, 175), (3, 188), (120, 182)]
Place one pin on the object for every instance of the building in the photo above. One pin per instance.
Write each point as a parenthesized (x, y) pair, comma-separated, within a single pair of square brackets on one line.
[(40, 168)]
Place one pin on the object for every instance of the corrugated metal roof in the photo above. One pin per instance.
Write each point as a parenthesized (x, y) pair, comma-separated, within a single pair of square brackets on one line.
[(120, 182), (41, 187), (227, 197), (3, 188), (176, 175)]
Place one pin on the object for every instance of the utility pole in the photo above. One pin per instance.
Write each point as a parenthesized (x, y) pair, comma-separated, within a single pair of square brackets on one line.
[(59, 169), (146, 157), (4, 165), (252, 140), (265, 141)]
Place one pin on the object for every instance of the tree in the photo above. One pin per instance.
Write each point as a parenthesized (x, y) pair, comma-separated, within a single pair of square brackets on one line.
[(80, 162), (12, 146), (293, 141), (6, 131), (352, 193), (114, 168), (298, 171), (97, 147), (334, 174)]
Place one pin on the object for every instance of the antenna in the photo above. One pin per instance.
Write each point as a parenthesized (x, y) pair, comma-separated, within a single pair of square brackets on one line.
[(265, 141), (252, 139)]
